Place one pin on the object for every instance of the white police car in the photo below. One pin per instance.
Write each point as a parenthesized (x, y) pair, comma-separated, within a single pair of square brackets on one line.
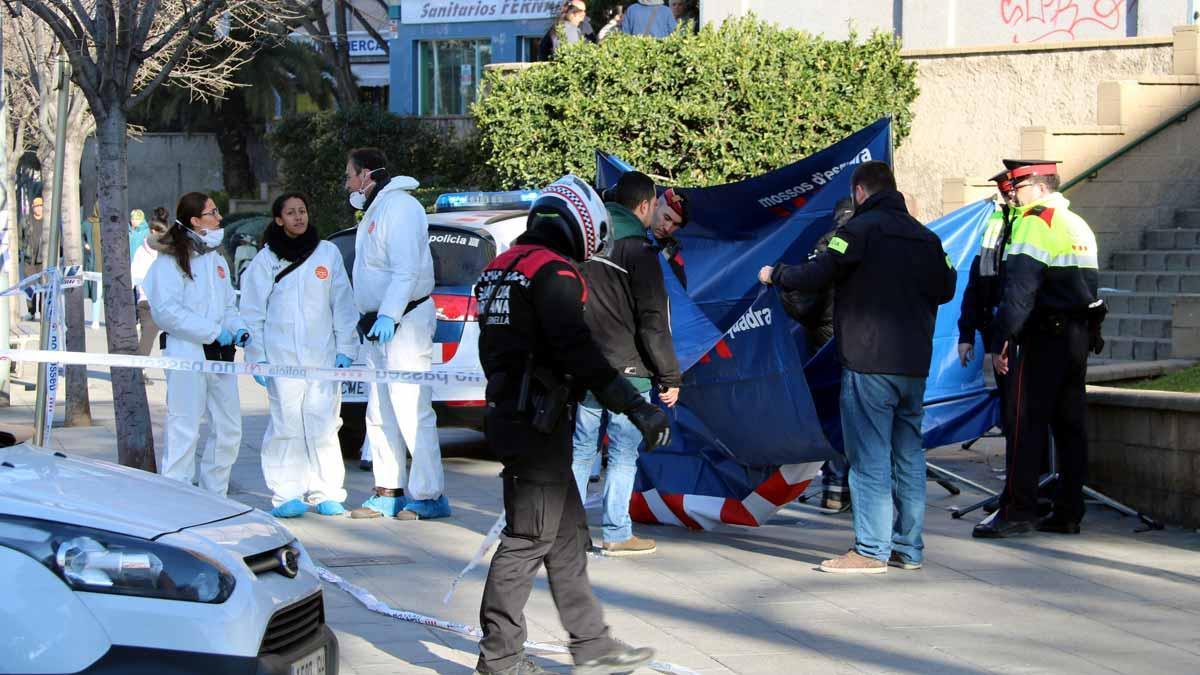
[(107, 569), (466, 232)]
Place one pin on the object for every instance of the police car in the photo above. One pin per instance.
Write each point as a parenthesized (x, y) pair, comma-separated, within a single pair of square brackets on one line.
[(108, 569), (466, 231)]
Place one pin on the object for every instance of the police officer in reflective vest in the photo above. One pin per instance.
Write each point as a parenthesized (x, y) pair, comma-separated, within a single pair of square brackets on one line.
[(986, 280), (539, 357), (1048, 319)]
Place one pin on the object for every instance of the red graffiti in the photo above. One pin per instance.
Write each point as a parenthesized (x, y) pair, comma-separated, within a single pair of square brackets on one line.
[(1037, 20)]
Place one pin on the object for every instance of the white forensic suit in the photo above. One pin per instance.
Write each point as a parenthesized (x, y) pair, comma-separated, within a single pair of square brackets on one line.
[(306, 319), (393, 267), (193, 312)]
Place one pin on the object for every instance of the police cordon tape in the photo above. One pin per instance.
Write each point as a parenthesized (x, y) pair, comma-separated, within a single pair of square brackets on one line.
[(372, 603), (447, 384)]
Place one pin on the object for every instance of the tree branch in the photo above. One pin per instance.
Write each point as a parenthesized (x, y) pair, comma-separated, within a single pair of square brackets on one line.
[(207, 7), (85, 69), (181, 49), (370, 29)]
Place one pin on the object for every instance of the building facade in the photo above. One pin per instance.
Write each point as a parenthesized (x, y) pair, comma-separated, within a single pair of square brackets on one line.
[(439, 48)]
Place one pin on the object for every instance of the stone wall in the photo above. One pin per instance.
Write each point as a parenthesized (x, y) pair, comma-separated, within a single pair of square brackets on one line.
[(974, 102), (1144, 451)]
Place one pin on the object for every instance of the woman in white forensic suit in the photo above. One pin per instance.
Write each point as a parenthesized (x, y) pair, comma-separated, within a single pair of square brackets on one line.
[(192, 301), (297, 301)]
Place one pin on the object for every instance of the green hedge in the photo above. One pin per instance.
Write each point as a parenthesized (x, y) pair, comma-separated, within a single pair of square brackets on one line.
[(311, 149), (730, 102)]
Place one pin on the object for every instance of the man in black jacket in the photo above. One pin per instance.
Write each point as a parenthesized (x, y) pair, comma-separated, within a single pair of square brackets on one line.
[(538, 356), (627, 313), (890, 273)]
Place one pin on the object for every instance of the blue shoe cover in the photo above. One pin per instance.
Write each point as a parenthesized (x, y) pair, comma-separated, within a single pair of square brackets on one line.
[(330, 508), (430, 508), (388, 506), (293, 508)]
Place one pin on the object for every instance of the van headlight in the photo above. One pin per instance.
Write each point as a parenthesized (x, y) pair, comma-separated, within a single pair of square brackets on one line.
[(105, 562)]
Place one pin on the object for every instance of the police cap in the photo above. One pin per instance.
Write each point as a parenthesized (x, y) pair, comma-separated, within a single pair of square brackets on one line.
[(1019, 169), (1003, 181)]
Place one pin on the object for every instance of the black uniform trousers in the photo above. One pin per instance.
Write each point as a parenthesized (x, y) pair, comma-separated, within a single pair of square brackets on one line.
[(546, 525), (1046, 393)]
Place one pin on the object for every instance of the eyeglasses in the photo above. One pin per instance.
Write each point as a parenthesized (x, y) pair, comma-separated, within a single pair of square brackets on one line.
[(214, 213)]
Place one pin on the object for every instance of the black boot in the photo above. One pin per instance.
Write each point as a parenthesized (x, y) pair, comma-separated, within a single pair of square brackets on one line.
[(999, 528), (1058, 525)]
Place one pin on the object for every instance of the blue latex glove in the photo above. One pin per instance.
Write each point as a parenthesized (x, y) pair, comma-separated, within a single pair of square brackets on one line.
[(343, 361), (384, 329), (242, 337), (225, 338), (261, 379)]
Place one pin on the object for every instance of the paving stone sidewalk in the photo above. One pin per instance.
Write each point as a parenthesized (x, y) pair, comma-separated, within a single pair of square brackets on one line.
[(745, 600)]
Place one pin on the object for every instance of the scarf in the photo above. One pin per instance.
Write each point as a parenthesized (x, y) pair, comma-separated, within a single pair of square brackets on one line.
[(290, 249)]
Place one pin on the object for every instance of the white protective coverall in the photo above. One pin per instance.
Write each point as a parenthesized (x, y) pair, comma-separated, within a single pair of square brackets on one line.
[(193, 312), (392, 267), (307, 319)]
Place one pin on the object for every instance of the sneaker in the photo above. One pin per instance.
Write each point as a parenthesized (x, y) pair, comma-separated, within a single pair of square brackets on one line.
[(385, 502), (838, 501), (425, 509), (898, 560), (631, 546), (853, 563), (622, 660), (523, 667), (292, 508)]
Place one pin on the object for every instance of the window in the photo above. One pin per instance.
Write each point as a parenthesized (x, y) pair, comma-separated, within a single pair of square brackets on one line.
[(528, 46), (449, 75)]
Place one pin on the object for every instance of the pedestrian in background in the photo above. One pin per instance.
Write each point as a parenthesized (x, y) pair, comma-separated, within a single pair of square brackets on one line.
[(139, 266), (628, 316), (648, 18), (139, 229), (890, 273), (192, 300), (568, 29)]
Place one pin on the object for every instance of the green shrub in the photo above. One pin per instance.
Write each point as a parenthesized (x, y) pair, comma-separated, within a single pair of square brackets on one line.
[(730, 102), (312, 149)]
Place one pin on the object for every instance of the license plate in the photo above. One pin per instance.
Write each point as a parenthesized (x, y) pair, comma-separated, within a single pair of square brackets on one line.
[(313, 664)]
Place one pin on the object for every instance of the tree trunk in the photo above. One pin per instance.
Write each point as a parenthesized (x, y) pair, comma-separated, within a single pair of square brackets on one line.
[(16, 305), (79, 410), (135, 439), (233, 139), (347, 87)]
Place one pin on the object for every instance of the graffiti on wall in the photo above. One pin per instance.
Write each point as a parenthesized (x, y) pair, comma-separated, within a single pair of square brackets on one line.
[(1055, 20)]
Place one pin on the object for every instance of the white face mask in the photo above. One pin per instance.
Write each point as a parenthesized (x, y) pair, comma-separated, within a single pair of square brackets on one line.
[(209, 239), (358, 198)]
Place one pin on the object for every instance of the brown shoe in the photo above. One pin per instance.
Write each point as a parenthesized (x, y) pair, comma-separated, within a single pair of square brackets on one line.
[(853, 563), (631, 546)]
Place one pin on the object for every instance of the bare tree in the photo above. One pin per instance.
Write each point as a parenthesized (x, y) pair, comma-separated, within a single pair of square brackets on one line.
[(19, 140), (31, 66), (120, 52)]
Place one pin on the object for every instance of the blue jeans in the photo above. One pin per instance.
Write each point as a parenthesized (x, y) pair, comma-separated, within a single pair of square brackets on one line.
[(881, 424), (835, 473), (623, 442)]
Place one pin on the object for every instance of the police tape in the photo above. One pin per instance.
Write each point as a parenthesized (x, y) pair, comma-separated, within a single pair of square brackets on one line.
[(490, 539), (447, 384), (375, 605)]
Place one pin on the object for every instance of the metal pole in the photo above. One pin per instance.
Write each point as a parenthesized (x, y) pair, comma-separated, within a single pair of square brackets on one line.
[(60, 142)]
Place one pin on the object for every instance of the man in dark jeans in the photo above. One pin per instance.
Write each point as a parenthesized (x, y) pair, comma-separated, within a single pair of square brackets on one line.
[(628, 315), (890, 273)]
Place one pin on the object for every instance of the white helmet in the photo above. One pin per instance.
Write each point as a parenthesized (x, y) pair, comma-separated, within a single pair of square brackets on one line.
[(570, 206)]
